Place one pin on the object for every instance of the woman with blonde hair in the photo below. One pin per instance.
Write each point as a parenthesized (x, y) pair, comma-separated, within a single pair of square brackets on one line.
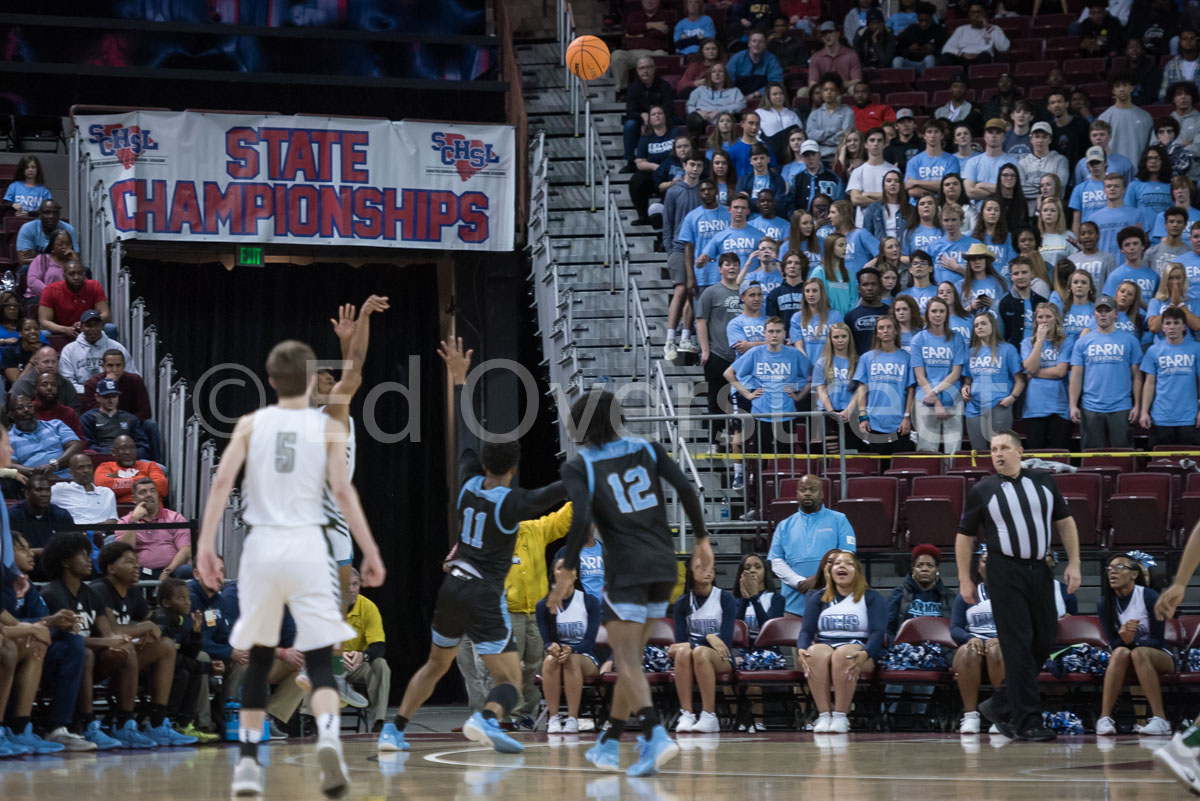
[(861, 244), (884, 397), (1052, 225), (809, 327), (938, 357), (850, 153), (713, 98), (1172, 291), (1079, 305), (724, 132), (992, 382), (841, 287), (833, 371), (841, 641), (802, 236)]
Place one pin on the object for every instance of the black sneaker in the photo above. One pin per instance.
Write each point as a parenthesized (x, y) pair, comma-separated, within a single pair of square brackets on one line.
[(987, 710), (1037, 734), (628, 168)]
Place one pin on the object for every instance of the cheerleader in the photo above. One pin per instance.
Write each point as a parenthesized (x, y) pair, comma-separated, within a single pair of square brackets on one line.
[(570, 638), (974, 631), (704, 617), (1136, 638), (756, 604), (842, 638)]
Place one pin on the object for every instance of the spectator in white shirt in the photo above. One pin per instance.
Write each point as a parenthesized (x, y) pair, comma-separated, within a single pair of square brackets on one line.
[(81, 497), (865, 185), (976, 43)]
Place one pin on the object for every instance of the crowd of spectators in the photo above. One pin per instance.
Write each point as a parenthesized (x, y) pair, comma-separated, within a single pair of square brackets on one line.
[(1040, 223)]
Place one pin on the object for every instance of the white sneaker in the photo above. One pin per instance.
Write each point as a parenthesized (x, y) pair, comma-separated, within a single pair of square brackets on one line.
[(555, 725), (335, 776), (587, 724), (69, 741), (824, 721), (707, 724), (1181, 761), (670, 351), (970, 723), (993, 729), (303, 681), (840, 724), (688, 346), (247, 778), (687, 722), (1155, 727), (1105, 726), (570, 726)]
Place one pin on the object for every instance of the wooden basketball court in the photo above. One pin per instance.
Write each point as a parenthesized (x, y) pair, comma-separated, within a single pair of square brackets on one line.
[(762, 767)]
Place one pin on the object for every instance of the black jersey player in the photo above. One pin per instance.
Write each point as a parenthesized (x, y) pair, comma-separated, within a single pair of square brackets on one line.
[(616, 482), (471, 600)]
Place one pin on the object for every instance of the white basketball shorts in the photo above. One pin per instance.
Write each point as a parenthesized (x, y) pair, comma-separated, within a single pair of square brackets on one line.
[(292, 567)]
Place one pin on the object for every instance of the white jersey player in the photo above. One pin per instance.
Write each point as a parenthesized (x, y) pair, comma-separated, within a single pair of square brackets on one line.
[(289, 451)]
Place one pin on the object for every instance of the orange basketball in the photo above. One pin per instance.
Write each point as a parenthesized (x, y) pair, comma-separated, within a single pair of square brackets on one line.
[(587, 57)]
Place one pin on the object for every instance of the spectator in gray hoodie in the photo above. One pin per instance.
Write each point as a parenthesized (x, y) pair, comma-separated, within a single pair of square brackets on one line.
[(83, 358)]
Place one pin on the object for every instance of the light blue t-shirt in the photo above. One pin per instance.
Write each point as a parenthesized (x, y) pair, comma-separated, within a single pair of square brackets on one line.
[(30, 236), (1080, 316), (888, 377), (1107, 380), (839, 390), (1004, 253), (992, 377), (814, 334), (986, 169), (1110, 222), (742, 241), (843, 295), (1151, 198), (963, 326), (982, 286), (938, 356), (591, 569), (769, 279), (861, 247), (956, 250), (1087, 198), (774, 373), (1156, 308), (1047, 396), (28, 198), (1144, 277), (746, 328), (1191, 263), (702, 28), (1175, 369), (922, 238), (699, 227), (921, 295), (1116, 163), (924, 167), (47, 440), (776, 228), (1159, 229)]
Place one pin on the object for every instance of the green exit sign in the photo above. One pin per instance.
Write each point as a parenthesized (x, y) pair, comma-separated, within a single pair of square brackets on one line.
[(249, 256)]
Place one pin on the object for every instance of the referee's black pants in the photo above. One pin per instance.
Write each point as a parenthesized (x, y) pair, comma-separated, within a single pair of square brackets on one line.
[(1022, 593)]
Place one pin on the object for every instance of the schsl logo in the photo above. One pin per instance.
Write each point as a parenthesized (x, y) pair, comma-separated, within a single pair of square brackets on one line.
[(126, 143), (467, 156)]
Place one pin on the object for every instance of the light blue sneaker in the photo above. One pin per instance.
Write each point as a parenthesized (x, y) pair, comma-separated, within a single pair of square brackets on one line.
[(31, 741), (130, 737), (653, 753), (165, 735), (487, 731), (391, 739), (97, 735), (605, 755), (10, 747)]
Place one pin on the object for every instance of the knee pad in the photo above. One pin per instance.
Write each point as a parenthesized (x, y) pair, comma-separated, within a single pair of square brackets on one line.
[(318, 663), (505, 695), (255, 686)]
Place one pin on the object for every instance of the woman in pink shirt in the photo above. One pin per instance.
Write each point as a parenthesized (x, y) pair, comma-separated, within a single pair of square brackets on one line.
[(47, 267)]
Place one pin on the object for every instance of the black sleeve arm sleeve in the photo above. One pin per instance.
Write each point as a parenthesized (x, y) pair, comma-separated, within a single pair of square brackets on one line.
[(376, 650), (575, 483), (528, 504), (687, 492)]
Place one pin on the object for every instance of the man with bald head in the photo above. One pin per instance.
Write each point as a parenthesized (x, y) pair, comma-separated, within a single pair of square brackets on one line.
[(120, 474), (801, 540), (45, 360), (83, 500)]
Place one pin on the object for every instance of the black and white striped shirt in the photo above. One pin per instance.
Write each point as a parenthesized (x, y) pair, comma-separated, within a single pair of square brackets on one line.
[(1015, 516)]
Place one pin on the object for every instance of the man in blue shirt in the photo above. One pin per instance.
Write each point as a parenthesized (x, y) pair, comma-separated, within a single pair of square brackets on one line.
[(1100, 135), (699, 226), (920, 269), (740, 238), (1115, 216), (40, 446), (1088, 196), (980, 174), (1132, 241), (34, 235), (1172, 384), (773, 378), (767, 220), (1105, 381), (755, 67), (801, 540), (924, 171)]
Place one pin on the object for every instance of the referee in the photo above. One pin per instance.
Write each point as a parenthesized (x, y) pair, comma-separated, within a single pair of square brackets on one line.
[(1014, 511)]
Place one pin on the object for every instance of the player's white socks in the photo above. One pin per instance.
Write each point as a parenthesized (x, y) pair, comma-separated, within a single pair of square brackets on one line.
[(250, 735), (685, 335), (670, 335), (329, 725)]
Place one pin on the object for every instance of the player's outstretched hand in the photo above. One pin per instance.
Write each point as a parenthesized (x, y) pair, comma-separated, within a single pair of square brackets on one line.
[(1168, 602), (346, 322), (375, 303), (373, 571), (457, 362)]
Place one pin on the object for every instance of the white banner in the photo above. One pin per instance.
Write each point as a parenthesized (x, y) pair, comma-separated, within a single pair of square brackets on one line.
[(183, 176)]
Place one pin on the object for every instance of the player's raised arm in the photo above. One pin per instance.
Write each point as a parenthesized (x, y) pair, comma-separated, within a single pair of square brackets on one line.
[(338, 474), (214, 508), (354, 334), (458, 363)]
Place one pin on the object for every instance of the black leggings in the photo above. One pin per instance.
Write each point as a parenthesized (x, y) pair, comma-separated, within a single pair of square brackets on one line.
[(1050, 431), (642, 190)]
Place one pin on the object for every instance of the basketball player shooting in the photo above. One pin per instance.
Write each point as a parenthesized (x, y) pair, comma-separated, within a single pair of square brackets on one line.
[(289, 451)]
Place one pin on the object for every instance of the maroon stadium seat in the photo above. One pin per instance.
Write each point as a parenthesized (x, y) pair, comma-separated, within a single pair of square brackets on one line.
[(1141, 509), (1083, 492), (937, 503)]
